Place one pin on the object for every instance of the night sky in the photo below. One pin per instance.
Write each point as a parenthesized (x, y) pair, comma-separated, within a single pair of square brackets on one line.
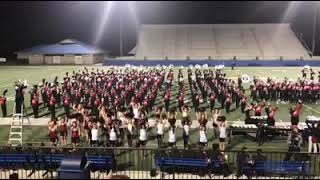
[(25, 24)]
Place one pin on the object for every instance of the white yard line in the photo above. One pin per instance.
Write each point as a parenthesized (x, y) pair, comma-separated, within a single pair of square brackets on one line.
[(308, 107)]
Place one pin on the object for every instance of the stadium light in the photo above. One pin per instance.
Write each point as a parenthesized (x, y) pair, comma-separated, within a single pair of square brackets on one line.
[(314, 27), (108, 8), (105, 16)]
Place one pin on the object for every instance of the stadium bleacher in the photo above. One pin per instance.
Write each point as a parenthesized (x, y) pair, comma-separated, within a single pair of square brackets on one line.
[(220, 41)]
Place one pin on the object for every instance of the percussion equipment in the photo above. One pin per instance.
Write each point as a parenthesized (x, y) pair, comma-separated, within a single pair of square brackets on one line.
[(257, 119), (242, 129), (313, 119), (280, 129)]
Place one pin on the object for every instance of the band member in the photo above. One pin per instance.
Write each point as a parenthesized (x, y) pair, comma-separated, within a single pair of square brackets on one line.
[(53, 132), (160, 130), (158, 111), (136, 113), (294, 141), (312, 133), (87, 125), (222, 126), (130, 130), (94, 135), (3, 103), (186, 123), (52, 105), (213, 97), (271, 120), (172, 137), (35, 105), (260, 135), (202, 117), (63, 131), (304, 73), (121, 122), (172, 114), (19, 97), (66, 104), (203, 137), (181, 102), (44, 93), (167, 101), (258, 108), (295, 112), (143, 139), (113, 139), (215, 116), (95, 107), (243, 103), (143, 119), (228, 103), (75, 134)]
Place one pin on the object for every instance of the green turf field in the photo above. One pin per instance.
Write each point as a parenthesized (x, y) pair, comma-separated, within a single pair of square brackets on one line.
[(34, 75)]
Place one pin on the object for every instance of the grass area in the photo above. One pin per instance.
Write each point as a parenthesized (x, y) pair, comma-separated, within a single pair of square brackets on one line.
[(34, 75)]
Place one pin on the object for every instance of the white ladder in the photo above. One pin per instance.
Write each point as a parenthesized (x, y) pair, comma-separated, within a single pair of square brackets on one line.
[(15, 136)]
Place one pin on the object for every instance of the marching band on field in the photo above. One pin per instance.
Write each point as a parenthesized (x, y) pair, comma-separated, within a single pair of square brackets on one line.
[(107, 105)]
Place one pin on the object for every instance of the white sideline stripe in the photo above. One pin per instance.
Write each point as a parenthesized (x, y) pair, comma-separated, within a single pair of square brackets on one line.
[(308, 107)]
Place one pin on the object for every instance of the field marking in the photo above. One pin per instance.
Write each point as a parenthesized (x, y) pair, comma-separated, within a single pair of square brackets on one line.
[(278, 70), (308, 107)]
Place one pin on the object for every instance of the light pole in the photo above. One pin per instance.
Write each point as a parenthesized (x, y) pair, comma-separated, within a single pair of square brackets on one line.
[(314, 27), (120, 24)]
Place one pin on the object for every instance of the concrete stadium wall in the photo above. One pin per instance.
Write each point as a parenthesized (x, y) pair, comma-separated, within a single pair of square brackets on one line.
[(67, 59), (112, 62), (98, 58), (87, 59), (23, 56), (48, 59), (64, 59), (35, 59)]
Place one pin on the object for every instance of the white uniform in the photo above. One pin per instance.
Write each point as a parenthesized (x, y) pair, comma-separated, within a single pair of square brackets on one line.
[(113, 135), (172, 137), (160, 128), (203, 137), (184, 114), (186, 129), (136, 114), (222, 130), (143, 135), (94, 134), (130, 128)]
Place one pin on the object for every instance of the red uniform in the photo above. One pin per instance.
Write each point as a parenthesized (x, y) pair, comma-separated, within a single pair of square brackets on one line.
[(75, 135), (63, 129), (53, 135), (3, 100)]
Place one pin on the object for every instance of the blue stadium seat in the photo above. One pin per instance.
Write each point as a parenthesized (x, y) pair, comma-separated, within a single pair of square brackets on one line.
[(101, 161), (16, 160), (172, 161), (280, 167)]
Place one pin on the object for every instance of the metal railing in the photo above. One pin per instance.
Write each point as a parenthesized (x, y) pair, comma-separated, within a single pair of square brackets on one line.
[(141, 164)]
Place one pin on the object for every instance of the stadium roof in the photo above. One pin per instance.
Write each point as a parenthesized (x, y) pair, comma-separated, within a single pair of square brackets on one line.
[(67, 46)]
